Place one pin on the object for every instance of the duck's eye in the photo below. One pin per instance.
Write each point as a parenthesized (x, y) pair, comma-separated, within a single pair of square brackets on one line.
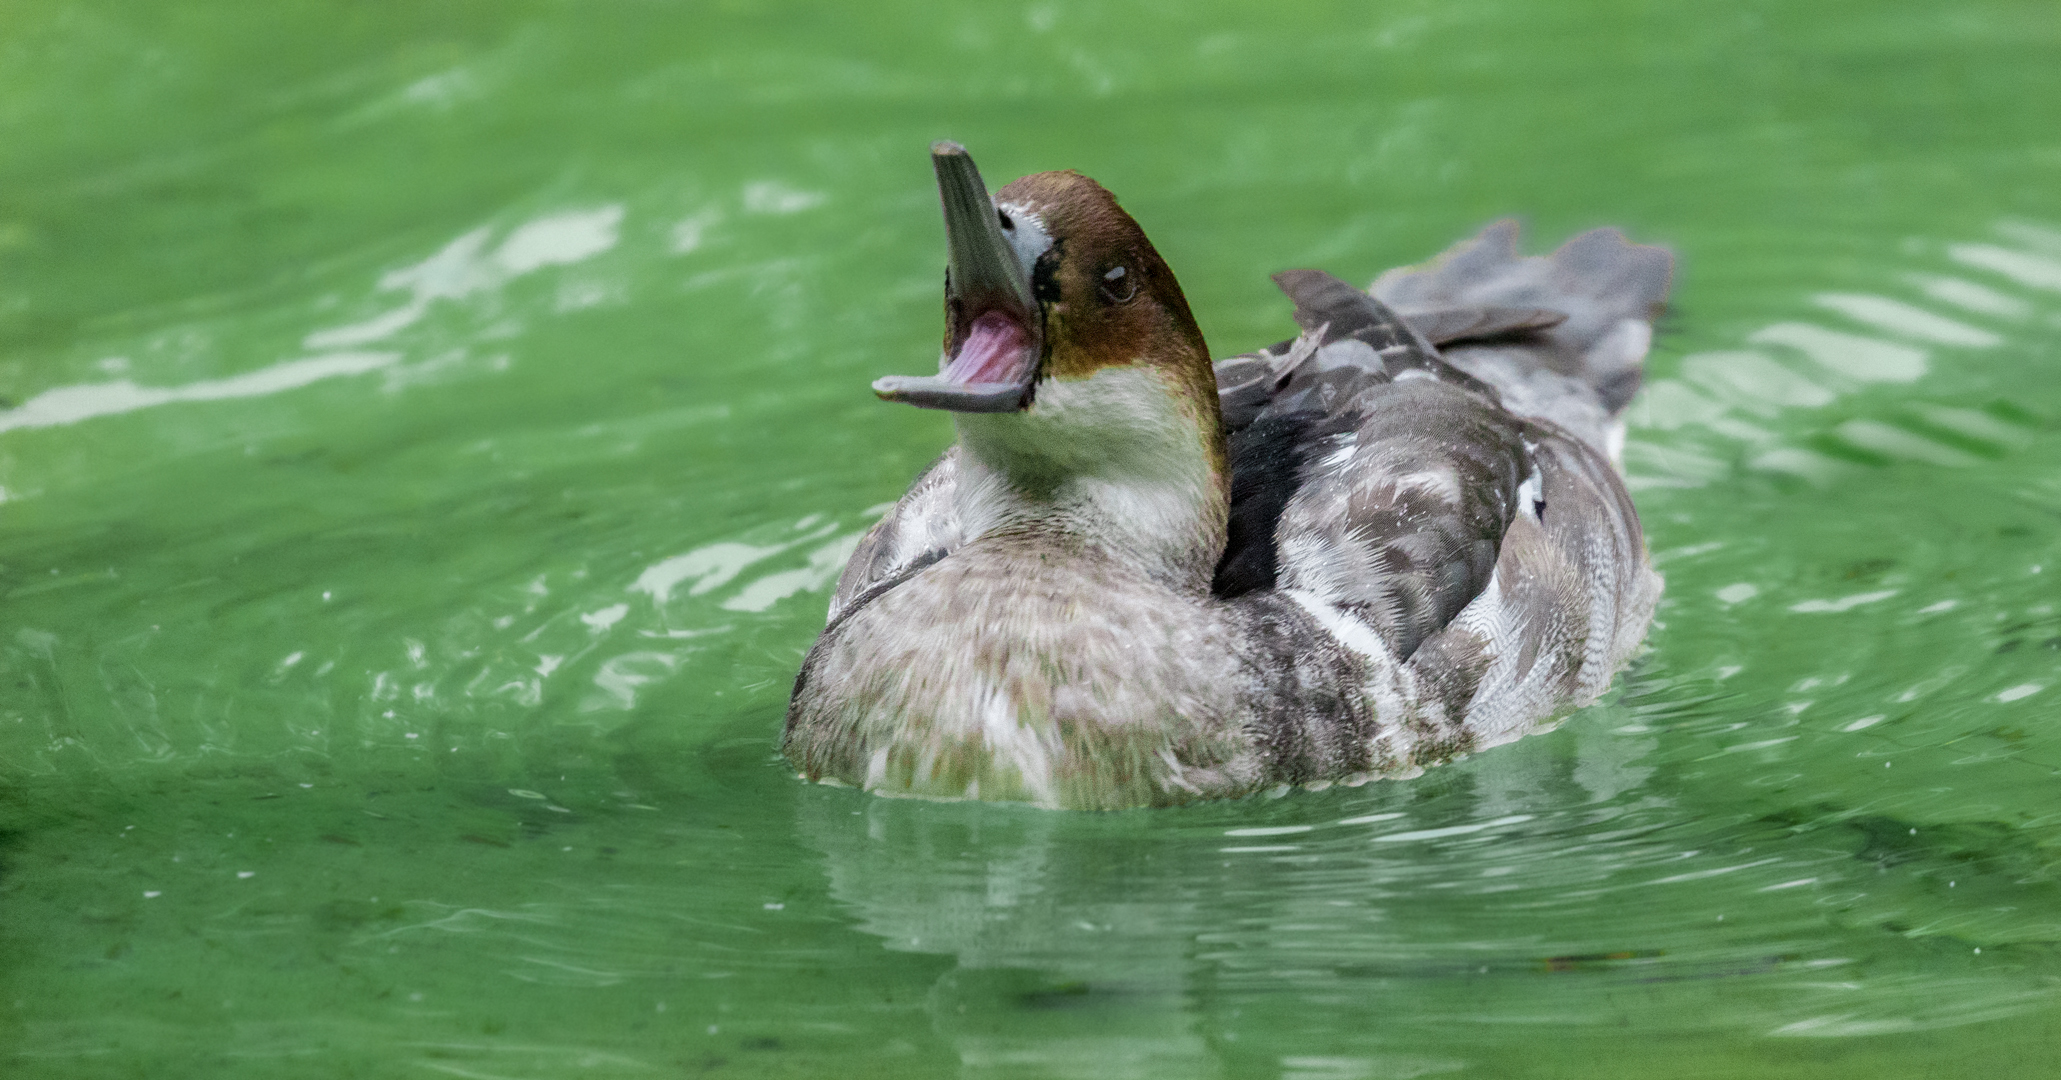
[(1007, 225), (1117, 286)]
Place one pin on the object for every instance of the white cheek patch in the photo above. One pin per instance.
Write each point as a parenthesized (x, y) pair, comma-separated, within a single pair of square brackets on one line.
[(1026, 235)]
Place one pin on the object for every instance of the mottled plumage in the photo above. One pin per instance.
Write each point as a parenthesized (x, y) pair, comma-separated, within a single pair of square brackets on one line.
[(1359, 557)]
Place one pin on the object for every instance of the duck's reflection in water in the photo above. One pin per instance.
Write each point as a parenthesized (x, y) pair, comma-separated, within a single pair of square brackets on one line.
[(1146, 943), (1071, 960)]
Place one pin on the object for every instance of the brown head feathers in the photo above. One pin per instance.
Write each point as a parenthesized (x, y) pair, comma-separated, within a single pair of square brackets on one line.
[(1108, 297)]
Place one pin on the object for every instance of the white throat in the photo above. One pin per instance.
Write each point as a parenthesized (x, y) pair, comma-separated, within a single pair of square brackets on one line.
[(1112, 460)]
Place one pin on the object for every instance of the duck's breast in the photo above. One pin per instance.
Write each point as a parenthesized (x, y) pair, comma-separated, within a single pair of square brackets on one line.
[(1014, 670)]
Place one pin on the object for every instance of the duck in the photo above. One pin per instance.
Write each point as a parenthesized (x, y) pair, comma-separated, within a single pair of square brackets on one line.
[(1142, 577)]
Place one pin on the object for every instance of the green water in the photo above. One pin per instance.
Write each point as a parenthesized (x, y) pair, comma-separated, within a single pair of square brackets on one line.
[(430, 434)]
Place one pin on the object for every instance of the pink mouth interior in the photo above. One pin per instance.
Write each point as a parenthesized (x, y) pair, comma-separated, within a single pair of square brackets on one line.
[(992, 353)]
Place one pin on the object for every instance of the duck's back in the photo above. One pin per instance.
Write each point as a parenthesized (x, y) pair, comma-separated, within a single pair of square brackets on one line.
[(1454, 515)]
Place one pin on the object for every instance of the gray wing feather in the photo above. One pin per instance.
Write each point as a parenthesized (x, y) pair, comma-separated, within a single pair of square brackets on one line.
[(1399, 522), (1578, 373), (1574, 594), (1410, 478), (1350, 341), (1595, 279), (1451, 325)]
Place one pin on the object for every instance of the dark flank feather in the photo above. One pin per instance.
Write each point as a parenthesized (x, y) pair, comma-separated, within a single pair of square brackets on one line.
[(1266, 459)]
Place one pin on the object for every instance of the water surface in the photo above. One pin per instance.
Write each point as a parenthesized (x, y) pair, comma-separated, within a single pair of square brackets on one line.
[(429, 438)]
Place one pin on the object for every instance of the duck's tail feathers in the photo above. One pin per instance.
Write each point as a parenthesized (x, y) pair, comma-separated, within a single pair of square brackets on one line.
[(1490, 310)]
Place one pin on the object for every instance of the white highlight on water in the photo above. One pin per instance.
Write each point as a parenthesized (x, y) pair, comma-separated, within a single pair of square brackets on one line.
[(71, 404), (1454, 830), (1897, 443), (2022, 267), (464, 267), (600, 621), (1862, 359), (1844, 603), (1901, 318), (1738, 594), (774, 197), (1970, 296)]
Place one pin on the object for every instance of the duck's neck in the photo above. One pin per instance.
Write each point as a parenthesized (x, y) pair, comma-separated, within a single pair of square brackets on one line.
[(1118, 463)]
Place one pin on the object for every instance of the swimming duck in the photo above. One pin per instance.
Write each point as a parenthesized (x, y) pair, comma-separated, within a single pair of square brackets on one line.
[(1141, 578)]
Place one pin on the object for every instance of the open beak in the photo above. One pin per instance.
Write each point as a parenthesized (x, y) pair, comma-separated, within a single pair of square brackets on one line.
[(995, 337)]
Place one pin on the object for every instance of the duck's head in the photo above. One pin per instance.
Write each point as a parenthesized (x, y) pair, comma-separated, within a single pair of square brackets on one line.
[(1069, 350), (1048, 280)]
